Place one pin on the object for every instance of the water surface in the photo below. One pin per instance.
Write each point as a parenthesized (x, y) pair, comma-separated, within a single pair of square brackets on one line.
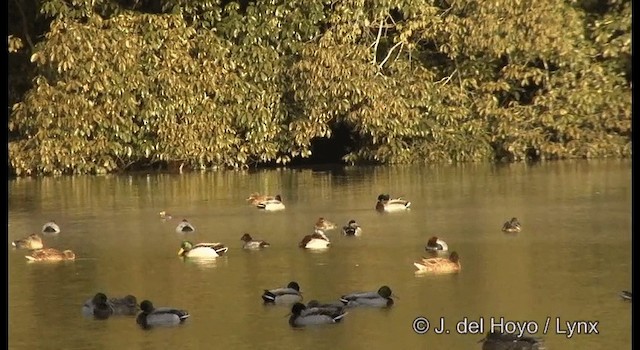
[(568, 264)]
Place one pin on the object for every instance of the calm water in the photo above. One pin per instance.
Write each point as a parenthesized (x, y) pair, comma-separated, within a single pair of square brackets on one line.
[(569, 262)]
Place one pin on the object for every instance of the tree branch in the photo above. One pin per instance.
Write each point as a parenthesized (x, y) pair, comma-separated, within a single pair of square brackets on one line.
[(447, 79), (24, 24), (375, 47), (389, 54)]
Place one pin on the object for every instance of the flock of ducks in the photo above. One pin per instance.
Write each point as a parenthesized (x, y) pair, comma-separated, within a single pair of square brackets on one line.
[(314, 312)]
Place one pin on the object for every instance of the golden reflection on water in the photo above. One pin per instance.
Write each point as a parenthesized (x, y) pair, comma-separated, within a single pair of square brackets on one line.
[(571, 259)]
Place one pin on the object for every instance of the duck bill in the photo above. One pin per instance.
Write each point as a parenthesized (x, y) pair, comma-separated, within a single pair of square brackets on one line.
[(394, 296), (180, 252)]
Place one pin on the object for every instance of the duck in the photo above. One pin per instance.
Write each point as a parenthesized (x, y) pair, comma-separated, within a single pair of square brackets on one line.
[(202, 250), (387, 204), (274, 204), (185, 226), (50, 227), (509, 341), (335, 306), (250, 243), (165, 216), (287, 295), (101, 308), (324, 224), (625, 295), (98, 307), (512, 226), (436, 244), (128, 305), (32, 242), (316, 240), (439, 265), (382, 298), (255, 198), (163, 316), (51, 254), (301, 315), (352, 229)]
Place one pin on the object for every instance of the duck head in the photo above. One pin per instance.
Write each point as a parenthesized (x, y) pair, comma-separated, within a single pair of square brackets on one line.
[(99, 299), (297, 308), (246, 237), (69, 255), (454, 257), (385, 292), (294, 285), (185, 247), (146, 306)]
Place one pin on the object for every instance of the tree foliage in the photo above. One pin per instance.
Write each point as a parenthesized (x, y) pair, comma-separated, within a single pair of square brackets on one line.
[(123, 84)]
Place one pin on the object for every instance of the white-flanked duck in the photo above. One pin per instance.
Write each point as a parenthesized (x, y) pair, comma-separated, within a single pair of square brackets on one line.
[(302, 316), (381, 298), (202, 250), (50, 227), (439, 265), (625, 295), (162, 316), (436, 244), (512, 226), (352, 229), (387, 204), (316, 240), (32, 241), (185, 226), (287, 295), (274, 204), (250, 243)]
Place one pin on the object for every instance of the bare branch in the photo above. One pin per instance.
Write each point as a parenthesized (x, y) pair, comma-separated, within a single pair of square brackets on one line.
[(24, 25), (445, 80), (375, 47), (389, 54)]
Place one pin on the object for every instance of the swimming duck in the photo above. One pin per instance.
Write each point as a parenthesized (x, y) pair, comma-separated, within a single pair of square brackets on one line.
[(512, 226), (302, 316), (508, 341), (316, 240), (381, 298), (274, 204), (324, 224), (255, 198), (352, 229), (165, 216), (50, 254), (250, 243), (287, 295), (100, 307), (125, 306), (439, 265), (434, 243), (50, 227), (32, 241), (337, 306), (162, 316), (202, 250), (185, 226), (626, 295), (386, 204)]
